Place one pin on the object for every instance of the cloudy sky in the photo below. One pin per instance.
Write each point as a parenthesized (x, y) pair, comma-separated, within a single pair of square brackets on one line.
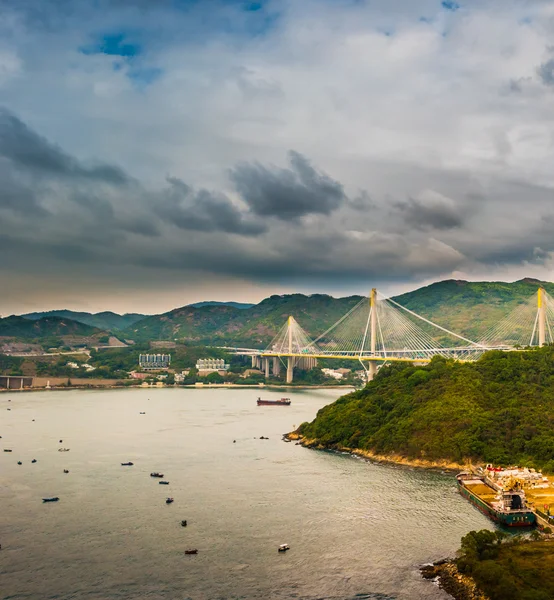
[(154, 154)]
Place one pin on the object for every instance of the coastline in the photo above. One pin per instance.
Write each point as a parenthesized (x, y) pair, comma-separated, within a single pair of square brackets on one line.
[(446, 575), (209, 386), (395, 459)]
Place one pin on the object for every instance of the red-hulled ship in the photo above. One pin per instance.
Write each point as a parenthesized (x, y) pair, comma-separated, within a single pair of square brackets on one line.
[(280, 402)]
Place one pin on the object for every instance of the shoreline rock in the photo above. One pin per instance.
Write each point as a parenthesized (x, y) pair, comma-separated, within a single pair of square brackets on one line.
[(449, 579), (395, 459)]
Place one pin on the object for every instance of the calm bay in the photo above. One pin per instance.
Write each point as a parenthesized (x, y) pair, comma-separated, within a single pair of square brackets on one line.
[(356, 529)]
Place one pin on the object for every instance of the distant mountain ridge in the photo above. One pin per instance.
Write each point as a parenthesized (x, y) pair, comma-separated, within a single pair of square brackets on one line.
[(107, 320), (467, 308), (241, 305), (28, 329)]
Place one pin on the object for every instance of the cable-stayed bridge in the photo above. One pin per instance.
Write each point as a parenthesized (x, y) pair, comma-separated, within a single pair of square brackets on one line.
[(379, 329)]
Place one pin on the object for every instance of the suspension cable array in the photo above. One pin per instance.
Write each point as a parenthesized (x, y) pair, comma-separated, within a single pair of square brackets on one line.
[(380, 329)]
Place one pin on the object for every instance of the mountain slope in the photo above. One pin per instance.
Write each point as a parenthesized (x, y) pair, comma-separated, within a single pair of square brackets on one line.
[(27, 329), (467, 308), (256, 326), (470, 308), (107, 321), (499, 410)]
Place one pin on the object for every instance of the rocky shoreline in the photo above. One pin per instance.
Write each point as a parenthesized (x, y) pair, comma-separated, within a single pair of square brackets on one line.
[(395, 459), (449, 579)]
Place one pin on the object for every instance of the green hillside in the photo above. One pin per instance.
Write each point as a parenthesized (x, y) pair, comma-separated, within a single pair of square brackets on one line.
[(468, 308), (256, 326), (499, 409), (107, 321), (26, 329), (191, 324)]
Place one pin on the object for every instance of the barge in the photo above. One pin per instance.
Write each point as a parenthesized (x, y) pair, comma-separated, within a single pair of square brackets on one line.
[(504, 506), (280, 402)]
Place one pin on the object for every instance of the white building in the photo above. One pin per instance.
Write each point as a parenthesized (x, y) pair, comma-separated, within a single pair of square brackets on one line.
[(332, 373), (212, 364)]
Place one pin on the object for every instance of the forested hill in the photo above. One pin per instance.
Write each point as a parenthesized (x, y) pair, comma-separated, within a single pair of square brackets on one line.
[(26, 329), (468, 308), (252, 327), (107, 321), (499, 409)]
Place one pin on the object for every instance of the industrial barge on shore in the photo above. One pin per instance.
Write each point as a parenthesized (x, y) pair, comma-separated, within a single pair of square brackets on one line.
[(504, 504)]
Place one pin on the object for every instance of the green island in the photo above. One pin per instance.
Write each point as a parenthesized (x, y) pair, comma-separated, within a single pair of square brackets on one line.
[(499, 409), (494, 566)]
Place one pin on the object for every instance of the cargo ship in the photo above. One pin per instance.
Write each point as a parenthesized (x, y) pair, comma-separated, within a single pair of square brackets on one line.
[(280, 402), (505, 506)]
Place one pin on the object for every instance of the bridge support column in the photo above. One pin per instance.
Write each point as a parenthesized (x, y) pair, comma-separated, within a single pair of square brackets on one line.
[(253, 361), (276, 365), (290, 369), (266, 367), (372, 370), (542, 317)]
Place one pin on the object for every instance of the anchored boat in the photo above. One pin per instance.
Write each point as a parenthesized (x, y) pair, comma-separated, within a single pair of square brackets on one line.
[(505, 506), (280, 402)]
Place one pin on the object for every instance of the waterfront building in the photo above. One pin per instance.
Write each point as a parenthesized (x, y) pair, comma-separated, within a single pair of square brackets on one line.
[(211, 364), (153, 362)]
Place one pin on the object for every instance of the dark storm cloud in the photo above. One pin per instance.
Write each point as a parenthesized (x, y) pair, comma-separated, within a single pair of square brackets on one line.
[(55, 212), (287, 193), (204, 211), (24, 148), (430, 213), (546, 72), (15, 195)]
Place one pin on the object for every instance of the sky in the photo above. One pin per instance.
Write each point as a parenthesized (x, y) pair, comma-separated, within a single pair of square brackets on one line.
[(154, 154)]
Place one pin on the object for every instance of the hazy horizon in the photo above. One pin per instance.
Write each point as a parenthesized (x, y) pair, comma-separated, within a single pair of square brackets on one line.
[(338, 296)]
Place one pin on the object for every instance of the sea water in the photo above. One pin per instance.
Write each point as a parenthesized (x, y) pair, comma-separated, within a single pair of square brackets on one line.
[(355, 529)]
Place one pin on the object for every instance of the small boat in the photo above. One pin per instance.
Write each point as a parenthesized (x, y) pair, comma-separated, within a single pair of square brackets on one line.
[(61, 441), (65, 471), (34, 460), (127, 464), (142, 413), (169, 500), (183, 523), (53, 499), (63, 449), (163, 482), (193, 551), (280, 402), (156, 474), (19, 462), (7, 450), (283, 548), (263, 438)]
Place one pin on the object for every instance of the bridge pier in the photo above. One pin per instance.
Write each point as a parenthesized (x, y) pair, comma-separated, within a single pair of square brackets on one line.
[(266, 367), (290, 369), (276, 366), (372, 370)]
